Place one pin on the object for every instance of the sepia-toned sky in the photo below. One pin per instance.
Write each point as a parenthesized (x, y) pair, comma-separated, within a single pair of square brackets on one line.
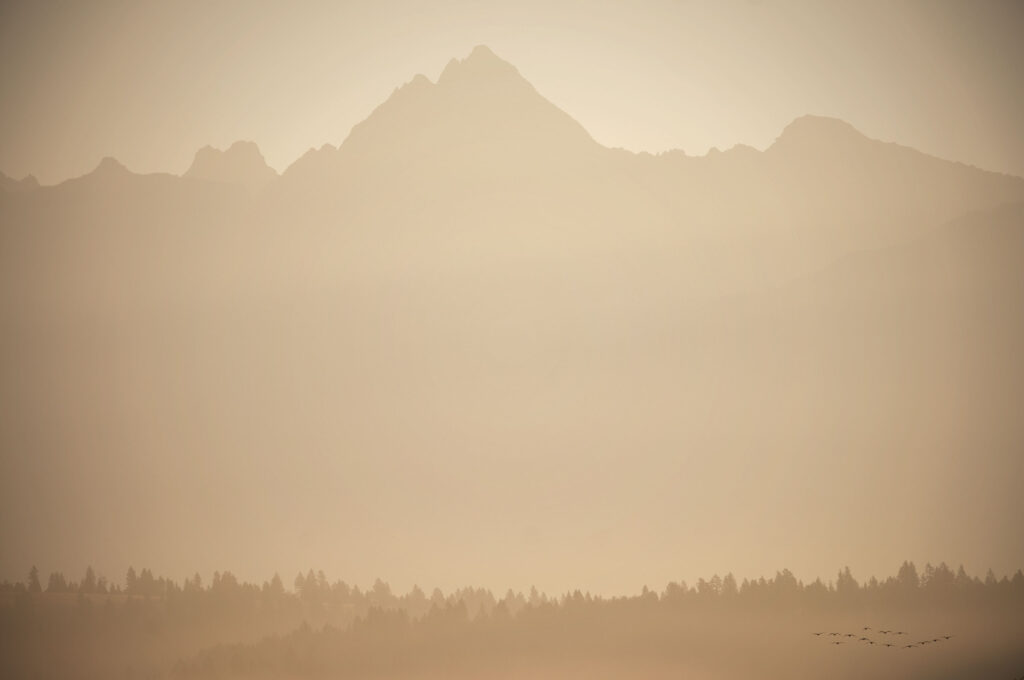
[(151, 82)]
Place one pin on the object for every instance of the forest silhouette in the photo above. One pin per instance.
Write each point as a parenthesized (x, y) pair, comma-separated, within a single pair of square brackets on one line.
[(938, 622)]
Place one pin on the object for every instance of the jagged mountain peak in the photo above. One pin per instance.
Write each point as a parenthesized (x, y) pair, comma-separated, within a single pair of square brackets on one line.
[(480, 113), (481, 63), (110, 166), (241, 164), (480, 100)]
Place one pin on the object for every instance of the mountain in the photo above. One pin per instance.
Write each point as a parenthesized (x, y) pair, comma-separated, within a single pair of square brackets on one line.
[(446, 156), (834, 174), (480, 111), (469, 293), (822, 187), (27, 183), (481, 163), (241, 164), (111, 236)]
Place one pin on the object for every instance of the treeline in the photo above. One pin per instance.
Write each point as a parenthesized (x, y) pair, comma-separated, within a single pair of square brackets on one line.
[(321, 600), (315, 594), (148, 625), (933, 585), (717, 628), (135, 584)]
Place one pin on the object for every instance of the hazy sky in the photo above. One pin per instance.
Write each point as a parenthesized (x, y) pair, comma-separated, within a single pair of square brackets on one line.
[(151, 82)]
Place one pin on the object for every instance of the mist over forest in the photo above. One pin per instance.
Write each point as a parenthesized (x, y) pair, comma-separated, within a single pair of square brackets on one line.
[(936, 622)]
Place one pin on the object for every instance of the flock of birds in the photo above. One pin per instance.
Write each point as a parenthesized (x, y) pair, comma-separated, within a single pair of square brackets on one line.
[(891, 638)]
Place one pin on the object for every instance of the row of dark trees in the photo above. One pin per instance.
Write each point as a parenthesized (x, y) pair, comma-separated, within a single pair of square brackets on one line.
[(315, 591), (93, 628), (143, 583), (761, 628)]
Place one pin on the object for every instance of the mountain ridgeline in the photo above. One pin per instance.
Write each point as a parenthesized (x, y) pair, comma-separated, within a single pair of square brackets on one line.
[(470, 286)]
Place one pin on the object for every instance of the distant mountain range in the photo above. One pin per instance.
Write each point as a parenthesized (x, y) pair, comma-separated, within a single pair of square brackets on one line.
[(481, 151), (470, 272)]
